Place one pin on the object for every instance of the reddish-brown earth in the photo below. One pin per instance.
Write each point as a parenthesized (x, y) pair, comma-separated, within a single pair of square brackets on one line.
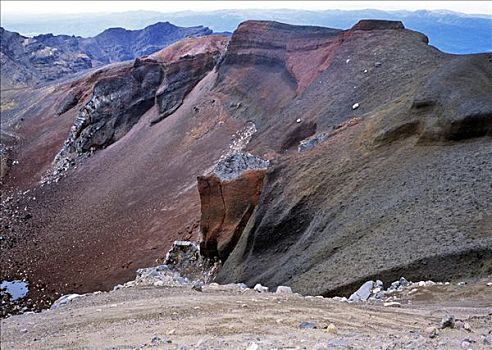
[(403, 190)]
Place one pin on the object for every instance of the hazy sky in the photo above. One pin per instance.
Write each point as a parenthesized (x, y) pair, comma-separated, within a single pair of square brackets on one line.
[(9, 7)]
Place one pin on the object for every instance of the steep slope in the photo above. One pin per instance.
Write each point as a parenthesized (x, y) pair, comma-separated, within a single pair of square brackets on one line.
[(381, 198), (396, 178), (49, 57)]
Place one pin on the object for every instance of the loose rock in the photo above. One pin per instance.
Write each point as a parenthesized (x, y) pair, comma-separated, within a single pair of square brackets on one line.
[(332, 329), (448, 321), (283, 290), (261, 289), (307, 325), (363, 292)]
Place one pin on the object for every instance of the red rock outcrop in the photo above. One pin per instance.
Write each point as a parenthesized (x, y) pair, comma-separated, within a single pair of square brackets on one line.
[(228, 197), (226, 208)]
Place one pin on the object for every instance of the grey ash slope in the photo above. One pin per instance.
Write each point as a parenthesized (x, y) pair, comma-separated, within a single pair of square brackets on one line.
[(49, 57), (405, 190)]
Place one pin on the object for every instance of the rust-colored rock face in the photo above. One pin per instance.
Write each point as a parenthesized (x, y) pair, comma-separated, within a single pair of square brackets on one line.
[(228, 196), (226, 207)]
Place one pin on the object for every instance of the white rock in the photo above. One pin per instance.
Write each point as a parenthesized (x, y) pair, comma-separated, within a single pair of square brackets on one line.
[(158, 283), (363, 293), (65, 299), (347, 60), (392, 304), (283, 290), (365, 70), (332, 329), (298, 120), (252, 346), (421, 284), (489, 284), (355, 106), (260, 289)]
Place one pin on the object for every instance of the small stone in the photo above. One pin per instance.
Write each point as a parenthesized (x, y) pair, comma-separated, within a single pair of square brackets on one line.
[(23, 330), (171, 332), (332, 329), (156, 341), (448, 321), (252, 346), (365, 70), (197, 287), (363, 292), (461, 283), (421, 284), (307, 325), (431, 332), (158, 283), (487, 340), (489, 284), (283, 290), (298, 120), (260, 289), (347, 60), (392, 304), (242, 286), (377, 64), (355, 106), (467, 327), (403, 282)]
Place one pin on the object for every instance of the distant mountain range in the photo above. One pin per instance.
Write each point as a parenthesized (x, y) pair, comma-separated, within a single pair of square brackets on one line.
[(48, 57), (449, 31)]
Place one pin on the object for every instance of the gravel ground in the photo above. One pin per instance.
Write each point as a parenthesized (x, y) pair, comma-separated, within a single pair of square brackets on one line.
[(226, 317)]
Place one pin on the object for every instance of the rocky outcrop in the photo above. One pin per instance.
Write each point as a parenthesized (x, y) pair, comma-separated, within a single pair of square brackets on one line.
[(119, 44), (124, 93), (180, 78), (228, 197), (277, 46), (46, 57), (377, 25), (116, 105)]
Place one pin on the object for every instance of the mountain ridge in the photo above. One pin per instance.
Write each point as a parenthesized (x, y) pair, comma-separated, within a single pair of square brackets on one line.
[(49, 57), (450, 31)]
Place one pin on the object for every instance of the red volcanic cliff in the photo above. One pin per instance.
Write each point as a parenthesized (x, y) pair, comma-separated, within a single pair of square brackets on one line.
[(228, 197)]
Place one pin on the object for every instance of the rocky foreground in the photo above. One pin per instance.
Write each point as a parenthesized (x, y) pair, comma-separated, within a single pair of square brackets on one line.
[(233, 317), (174, 306)]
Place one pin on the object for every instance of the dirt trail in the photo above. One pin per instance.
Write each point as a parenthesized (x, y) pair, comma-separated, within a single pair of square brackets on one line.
[(229, 318)]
